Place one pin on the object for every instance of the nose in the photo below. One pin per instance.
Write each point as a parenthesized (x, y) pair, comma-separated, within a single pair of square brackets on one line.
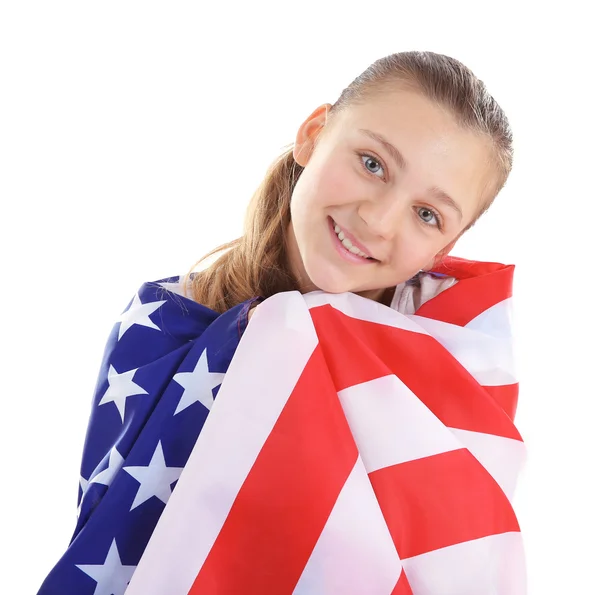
[(382, 215)]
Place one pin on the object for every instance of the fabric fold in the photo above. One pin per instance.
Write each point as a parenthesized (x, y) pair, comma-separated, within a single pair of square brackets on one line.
[(331, 445), (365, 419)]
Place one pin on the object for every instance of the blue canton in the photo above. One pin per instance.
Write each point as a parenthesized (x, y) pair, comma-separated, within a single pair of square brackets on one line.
[(162, 367)]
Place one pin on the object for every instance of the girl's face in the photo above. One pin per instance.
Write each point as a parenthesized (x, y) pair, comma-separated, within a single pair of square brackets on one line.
[(398, 177)]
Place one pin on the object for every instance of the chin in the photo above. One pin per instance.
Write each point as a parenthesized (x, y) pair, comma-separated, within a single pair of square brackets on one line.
[(331, 287), (331, 283)]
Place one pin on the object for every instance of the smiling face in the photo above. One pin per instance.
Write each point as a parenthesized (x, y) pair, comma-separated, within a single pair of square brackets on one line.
[(397, 176)]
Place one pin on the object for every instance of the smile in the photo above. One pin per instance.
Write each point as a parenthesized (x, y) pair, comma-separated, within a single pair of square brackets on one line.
[(346, 248)]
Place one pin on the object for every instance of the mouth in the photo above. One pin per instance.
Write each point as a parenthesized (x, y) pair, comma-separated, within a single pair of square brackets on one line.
[(347, 246)]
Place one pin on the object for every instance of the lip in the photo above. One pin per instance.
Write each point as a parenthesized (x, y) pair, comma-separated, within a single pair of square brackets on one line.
[(354, 241), (346, 254)]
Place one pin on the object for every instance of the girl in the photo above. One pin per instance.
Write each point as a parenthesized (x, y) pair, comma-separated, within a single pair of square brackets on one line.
[(297, 482)]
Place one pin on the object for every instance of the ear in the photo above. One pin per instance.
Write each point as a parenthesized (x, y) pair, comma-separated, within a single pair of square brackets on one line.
[(437, 259), (308, 132)]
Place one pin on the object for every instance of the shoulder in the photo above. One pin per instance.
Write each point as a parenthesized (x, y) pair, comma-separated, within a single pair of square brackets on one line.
[(161, 317), (177, 292)]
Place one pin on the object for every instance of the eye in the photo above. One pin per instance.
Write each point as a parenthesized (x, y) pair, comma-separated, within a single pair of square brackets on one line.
[(429, 217), (372, 164)]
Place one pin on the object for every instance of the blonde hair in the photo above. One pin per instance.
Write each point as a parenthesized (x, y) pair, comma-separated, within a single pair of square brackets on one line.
[(256, 264)]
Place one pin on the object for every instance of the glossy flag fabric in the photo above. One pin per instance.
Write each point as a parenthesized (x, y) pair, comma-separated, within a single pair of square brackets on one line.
[(351, 449)]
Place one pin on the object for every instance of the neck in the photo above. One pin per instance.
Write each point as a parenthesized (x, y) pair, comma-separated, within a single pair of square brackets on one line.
[(294, 261), (383, 296)]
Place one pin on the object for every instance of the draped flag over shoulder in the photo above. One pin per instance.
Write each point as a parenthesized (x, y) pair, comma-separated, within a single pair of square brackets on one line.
[(351, 449), (381, 457)]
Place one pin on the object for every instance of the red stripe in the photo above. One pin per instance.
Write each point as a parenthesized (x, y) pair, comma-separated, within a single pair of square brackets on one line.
[(481, 285), (402, 586), (282, 507), (506, 396), (463, 268), (358, 351), (439, 501)]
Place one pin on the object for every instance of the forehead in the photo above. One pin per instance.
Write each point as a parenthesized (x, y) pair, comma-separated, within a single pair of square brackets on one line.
[(437, 151), (406, 112)]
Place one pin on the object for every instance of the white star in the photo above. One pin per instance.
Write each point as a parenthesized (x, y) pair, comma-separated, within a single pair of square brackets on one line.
[(121, 386), (115, 462), (104, 477), (175, 287), (83, 482), (198, 385), (111, 577), (138, 313), (155, 479), (172, 287)]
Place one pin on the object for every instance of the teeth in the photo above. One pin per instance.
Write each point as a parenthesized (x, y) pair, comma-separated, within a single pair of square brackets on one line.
[(346, 242)]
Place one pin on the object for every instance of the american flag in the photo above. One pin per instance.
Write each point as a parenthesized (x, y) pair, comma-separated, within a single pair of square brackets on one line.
[(352, 449)]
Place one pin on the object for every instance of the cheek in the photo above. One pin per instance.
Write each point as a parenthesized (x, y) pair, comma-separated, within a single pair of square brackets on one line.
[(333, 183), (414, 251), (342, 182)]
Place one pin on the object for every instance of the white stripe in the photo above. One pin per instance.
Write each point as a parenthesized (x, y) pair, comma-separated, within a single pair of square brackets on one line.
[(502, 457), (489, 359), (484, 347), (390, 425), (228, 445), (355, 553), (495, 321), (487, 566), (356, 306)]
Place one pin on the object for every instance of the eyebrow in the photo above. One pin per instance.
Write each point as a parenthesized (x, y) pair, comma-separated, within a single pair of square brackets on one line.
[(401, 163)]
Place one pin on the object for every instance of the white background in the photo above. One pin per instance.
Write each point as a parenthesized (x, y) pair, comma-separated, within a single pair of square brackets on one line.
[(132, 135)]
